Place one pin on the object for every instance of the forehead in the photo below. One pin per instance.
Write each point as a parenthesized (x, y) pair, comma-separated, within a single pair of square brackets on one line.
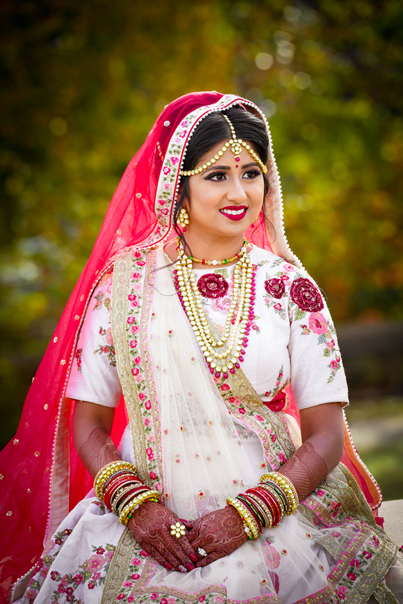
[(227, 158)]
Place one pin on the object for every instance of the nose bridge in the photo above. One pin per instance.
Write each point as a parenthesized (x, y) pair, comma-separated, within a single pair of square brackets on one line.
[(236, 188)]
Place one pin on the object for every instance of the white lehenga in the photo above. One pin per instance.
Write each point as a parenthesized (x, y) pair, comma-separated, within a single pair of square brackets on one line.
[(205, 454)]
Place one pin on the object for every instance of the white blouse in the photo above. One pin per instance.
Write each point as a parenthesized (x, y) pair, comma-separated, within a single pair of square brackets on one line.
[(292, 337)]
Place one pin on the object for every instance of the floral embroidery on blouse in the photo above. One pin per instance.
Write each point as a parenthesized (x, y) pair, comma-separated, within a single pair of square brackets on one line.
[(104, 293), (306, 296), (275, 287), (78, 356), (109, 351), (212, 285), (317, 324)]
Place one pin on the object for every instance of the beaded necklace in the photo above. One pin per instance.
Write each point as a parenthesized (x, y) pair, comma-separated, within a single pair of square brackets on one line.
[(179, 248), (225, 353)]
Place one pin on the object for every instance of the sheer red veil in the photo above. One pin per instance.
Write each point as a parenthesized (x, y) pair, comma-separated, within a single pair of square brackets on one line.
[(41, 476)]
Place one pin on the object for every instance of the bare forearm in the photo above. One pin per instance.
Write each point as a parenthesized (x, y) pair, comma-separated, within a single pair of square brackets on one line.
[(320, 452), (92, 439)]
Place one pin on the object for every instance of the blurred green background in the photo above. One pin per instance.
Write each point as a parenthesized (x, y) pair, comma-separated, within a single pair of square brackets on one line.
[(81, 84)]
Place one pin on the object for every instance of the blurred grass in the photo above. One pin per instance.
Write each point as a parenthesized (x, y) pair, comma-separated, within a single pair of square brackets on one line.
[(383, 460)]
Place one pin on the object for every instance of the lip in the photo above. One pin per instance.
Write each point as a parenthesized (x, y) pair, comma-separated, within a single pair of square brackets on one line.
[(239, 216)]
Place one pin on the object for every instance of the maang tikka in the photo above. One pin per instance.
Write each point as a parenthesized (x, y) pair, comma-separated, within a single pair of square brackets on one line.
[(236, 145)]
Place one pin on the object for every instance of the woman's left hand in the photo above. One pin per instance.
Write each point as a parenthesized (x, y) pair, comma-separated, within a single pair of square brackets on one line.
[(218, 534)]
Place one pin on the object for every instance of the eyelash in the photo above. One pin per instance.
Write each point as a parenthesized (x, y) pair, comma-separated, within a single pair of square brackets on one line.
[(252, 172)]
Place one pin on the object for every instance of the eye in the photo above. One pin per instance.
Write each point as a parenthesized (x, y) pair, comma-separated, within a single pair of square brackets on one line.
[(217, 176), (253, 173)]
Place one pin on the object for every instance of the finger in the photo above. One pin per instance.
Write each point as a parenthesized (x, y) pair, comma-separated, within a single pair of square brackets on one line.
[(197, 542), (181, 548), (209, 559), (163, 557)]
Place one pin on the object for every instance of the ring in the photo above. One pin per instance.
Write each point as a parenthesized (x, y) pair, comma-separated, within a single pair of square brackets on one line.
[(202, 552), (178, 530)]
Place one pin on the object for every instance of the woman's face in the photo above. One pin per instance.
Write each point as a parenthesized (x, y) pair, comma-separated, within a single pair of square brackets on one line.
[(227, 197)]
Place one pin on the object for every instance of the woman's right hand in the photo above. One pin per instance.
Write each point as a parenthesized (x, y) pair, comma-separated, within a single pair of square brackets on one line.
[(150, 525)]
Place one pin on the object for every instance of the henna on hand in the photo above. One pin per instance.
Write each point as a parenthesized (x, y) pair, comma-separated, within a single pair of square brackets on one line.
[(219, 533), (306, 469), (98, 450), (150, 525)]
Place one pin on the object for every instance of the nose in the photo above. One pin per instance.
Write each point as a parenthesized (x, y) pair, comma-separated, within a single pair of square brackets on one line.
[(236, 191)]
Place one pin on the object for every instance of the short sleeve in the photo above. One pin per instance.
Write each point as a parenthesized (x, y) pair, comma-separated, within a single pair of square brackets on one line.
[(317, 373), (94, 377)]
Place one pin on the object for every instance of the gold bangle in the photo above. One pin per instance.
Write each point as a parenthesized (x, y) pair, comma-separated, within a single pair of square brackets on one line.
[(287, 487), (137, 501), (245, 515), (107, 471)]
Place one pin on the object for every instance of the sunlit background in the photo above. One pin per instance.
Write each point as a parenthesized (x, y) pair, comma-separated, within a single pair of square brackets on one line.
[(81, 83)]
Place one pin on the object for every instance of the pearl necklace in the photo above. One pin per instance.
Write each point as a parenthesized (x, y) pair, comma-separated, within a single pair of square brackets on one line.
[(223, 354)]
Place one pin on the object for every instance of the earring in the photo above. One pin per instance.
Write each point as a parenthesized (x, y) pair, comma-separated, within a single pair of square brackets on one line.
[(183, 219)]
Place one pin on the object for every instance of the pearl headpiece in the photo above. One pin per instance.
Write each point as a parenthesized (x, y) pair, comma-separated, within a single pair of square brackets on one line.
[(236, 145)]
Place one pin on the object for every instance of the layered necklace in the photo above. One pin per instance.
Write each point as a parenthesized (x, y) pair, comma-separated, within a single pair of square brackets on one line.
[(225, 353)]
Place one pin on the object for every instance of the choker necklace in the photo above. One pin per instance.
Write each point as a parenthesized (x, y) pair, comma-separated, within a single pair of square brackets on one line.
[(179, 248), (224, 354)]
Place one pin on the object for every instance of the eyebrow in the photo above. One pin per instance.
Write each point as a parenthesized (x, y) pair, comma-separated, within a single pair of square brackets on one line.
[(215, 167)]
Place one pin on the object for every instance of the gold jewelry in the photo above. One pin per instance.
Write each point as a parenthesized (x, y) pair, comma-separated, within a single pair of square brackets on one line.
[(246, 516), (215, 262), (287, 487), (126, 512), (178, 530), (107, 471), (225, 353), (183, 218), (236, 145)]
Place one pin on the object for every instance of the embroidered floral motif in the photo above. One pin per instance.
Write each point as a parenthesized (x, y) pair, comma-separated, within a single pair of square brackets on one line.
[(92, 572), (212, 285), (306, 296), (78, 356), (275, 287), (109, 351)]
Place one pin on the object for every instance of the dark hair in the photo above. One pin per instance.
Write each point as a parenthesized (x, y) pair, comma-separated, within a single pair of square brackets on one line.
[(214, 129)]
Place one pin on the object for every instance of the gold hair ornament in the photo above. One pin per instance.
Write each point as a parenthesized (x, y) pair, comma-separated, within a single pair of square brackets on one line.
[(236, 145)]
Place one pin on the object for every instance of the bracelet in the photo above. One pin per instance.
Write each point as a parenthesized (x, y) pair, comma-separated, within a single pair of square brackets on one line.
[(264, 510), (286, 487), (126, 512), (107, 471), (246, 516)]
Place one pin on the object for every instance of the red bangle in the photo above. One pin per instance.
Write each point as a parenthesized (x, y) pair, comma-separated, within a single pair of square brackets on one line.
[(271, 502), (252, 508)]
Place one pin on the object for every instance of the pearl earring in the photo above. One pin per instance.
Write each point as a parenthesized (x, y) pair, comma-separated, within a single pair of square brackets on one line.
[(183, 219)]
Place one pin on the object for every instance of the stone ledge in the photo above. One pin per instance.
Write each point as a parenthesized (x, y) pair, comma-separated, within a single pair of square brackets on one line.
[(392, 512)]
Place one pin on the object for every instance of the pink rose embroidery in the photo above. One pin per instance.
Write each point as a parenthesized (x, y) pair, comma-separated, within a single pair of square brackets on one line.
[(352, 576), (318, 323), (166, 170), (174, 161), (306, 296), (147, 405)]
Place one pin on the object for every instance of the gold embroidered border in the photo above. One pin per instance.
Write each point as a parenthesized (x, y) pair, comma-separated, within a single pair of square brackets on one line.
[(148, 292), (118, 568), (121, 280), (242, 388)]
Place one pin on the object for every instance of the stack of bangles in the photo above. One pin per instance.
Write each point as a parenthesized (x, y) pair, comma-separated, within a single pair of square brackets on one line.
[(117, 485), (263, 506)]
